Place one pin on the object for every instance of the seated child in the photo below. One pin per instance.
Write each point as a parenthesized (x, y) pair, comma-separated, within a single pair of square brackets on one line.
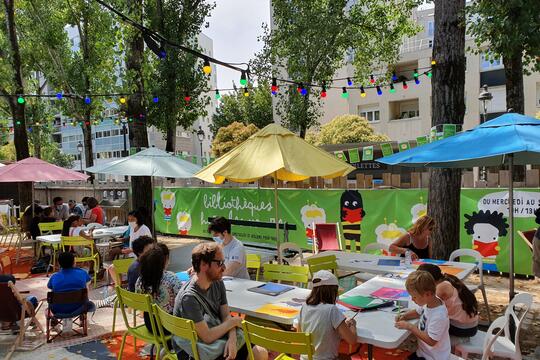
[(432, 330), (321, 317)]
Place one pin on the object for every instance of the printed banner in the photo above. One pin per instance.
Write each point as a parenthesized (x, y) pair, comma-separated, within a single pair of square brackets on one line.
[(340, 155), (194, 159), (422, 140), (404, 146), (367, 153), (387, 149), (366, 216), (354, 156), (449, 130)]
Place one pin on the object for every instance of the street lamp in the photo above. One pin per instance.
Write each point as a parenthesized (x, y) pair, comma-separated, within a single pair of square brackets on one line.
[(200, 135), (124, 133), (484, 97), (80, 149)]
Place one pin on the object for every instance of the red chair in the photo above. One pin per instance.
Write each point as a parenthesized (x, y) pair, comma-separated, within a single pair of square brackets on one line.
[(326, 237), (527, 237)]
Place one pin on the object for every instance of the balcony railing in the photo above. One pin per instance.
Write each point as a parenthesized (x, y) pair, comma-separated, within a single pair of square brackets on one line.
[(412, 45)]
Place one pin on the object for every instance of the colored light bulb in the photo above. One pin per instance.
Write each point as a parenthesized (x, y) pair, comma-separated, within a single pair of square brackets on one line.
[(344, 93), (207, 69), (415, 74), (394, 76), (379, 91), (155, 99), (218, 95), (362, 92), (417, 81), (87, 100), (187, 98), (246, 92), (371, 79), (405, 86), (433, 62), (20, 100), (59, 96), (243, 79), (429, 74), (392, 90), (122, 100), (349, 82)]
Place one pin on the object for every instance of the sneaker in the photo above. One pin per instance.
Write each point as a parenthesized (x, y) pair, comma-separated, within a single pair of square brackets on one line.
[(107, 302)]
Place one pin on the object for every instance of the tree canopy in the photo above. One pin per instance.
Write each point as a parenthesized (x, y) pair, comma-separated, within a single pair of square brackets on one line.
[(228, 137), (345, 129)]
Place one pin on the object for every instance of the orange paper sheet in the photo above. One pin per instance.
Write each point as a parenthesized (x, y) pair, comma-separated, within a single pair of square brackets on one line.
[(452, 270), (278, 310)]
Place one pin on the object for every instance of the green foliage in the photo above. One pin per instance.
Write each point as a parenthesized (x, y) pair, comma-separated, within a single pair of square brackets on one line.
[(253, 109), (346, 129), (231, 136), (507, 28), (311, 38), (7, 152), (179, 74)]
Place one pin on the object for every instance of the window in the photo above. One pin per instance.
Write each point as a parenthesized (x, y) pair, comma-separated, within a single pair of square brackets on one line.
[(489, 62), (371, 114), (537, 94), (430, 28)]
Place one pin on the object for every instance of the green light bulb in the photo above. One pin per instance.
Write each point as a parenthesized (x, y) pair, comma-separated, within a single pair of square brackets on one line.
[(20, 100)]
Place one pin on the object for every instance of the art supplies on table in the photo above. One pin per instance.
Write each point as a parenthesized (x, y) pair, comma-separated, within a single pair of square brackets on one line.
[(389, 262), (390, 293), (278, 310), (363, 303), (271, 289), (449, 269)]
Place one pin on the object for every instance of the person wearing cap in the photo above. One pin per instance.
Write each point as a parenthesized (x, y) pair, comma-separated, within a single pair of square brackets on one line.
[(321, 317)]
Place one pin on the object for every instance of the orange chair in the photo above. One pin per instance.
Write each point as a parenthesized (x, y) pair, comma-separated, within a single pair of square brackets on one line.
[(326, 237)]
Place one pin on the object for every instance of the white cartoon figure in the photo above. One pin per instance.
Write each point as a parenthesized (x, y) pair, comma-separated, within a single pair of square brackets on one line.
[(167, 200), (486, 227), (183, 221), (387, 234), (417, 211), (312, 214)]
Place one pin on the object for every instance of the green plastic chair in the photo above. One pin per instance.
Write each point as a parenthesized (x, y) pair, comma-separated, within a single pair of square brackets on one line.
[(80, 241), (253, 261), (140, 302), (289, 273), (177, 326), (285, 342), (327, 262), (46, 229), (121, 267)]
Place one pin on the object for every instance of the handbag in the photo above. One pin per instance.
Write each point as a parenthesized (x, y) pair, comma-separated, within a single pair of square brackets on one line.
[(214, 350)]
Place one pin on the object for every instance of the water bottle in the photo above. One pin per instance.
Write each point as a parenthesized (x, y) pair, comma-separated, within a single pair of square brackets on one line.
[(408, 258)]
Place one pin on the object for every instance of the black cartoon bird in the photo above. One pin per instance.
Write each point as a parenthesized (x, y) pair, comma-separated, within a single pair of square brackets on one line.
[(352, 213)]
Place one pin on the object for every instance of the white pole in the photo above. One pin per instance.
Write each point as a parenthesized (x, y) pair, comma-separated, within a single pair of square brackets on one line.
[(277, 215), (511, 221)]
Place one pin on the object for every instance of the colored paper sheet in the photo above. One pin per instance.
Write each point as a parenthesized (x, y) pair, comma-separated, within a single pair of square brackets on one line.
[(452, 270), (387, 149), (182, 275), (389, 262), (367, 153), (390, 293), (278, 310), (354, 156), (362, 302), (422, 140)]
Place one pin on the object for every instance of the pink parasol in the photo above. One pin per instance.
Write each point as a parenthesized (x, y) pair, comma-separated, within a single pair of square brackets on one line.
[(36, 170)]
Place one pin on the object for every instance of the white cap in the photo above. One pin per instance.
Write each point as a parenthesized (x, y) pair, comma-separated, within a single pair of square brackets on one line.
[(324, 277)]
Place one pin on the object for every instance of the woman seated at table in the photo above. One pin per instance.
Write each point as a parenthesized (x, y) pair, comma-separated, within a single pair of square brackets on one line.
[(156, 280), (47, 215), (137, 228), (96, 213), (416, 240), (73, 226)]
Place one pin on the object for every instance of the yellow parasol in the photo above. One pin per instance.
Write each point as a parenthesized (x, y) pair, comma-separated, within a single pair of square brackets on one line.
[(274, 151)]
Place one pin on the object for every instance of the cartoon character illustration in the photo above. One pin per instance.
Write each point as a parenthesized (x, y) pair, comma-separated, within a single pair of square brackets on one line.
[(352, 213), (167, 200), (312, 214), (417, 211), (387, 234), (486, 227), (183, 221)]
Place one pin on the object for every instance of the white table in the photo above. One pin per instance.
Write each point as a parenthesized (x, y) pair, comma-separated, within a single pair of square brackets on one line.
[(376, 328), (97, 234), (247, 302), (360, 262)]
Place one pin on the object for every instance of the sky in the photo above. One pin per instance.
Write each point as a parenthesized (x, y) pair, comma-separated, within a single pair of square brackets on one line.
[(234, 28)]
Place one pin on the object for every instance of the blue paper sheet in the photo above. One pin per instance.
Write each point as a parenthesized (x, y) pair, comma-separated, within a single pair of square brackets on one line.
[(389, 262), (182, 275)]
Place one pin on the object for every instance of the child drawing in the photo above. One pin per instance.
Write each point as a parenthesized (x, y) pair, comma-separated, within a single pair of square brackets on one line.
[(312, 214), (183, 221), (486, 227)]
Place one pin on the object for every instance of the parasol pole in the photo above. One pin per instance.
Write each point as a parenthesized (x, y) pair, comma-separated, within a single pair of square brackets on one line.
[(511, 222), (277, 215), (153, 216)]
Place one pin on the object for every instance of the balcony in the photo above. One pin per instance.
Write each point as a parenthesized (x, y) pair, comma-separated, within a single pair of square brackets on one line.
[(413, 45), (404, 110)]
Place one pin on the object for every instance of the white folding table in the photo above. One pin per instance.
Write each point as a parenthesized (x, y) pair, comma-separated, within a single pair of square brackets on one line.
[(360, 262)]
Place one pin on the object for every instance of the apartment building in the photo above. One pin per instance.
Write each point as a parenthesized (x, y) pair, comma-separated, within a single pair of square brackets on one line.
[(406, 114)]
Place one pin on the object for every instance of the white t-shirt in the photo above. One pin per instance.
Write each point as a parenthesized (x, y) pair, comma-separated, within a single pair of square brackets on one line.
[(322, 322), (75, 231), (435, 322), (235, 252), (143, 230)]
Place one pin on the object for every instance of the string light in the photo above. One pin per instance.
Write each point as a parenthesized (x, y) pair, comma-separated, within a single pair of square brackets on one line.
[(405, 86), (155, 99), (243, 79), (59, 96), (218, 95), (349, 82), (207, 69), (433, 62), (416, 80), (274, 87), (303, 91), (362, 91), (246, 92), (379, 91), (394, 76), (122, 100), (300, 87), (344, 93), (87, 100), (415, 74), (371, 79), (20, 100), (392, 90), (323, 91), (429, 74)]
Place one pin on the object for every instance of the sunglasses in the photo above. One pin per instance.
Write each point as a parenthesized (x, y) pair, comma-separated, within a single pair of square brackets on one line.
[(219, 262)]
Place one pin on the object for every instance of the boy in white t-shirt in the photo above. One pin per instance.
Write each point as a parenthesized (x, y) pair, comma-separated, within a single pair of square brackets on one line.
[(432, 330), (233, 249)]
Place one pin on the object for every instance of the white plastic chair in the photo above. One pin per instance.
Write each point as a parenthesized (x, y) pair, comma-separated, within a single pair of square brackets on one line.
[(113, 222), (480, 264), (501, 346), (94, 226), (291, 246), (495, 330)]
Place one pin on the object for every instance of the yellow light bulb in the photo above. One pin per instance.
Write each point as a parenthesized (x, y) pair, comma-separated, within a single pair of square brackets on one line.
[(122, 100), (207, 69), (433, 62), (363, 94)]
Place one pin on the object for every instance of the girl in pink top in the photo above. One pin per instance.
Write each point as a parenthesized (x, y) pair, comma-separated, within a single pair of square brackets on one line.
[(460, 302)]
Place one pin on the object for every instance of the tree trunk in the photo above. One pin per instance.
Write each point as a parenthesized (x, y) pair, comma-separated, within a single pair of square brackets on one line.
[(515, 98), (87, 138), (171, 138), (141, 186), (448, 106), (20, 137)]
